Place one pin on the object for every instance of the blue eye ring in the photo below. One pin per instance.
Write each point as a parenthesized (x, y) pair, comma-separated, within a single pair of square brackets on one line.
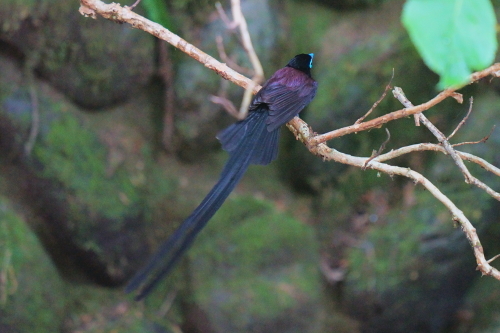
[(311, 63)]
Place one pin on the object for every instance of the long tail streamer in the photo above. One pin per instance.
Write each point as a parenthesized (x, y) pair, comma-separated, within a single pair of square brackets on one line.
[(248, 142)]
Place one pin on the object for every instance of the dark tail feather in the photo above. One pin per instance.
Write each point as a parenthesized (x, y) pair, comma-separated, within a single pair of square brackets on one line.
[(230, 137), (241, 157), (267, 148)]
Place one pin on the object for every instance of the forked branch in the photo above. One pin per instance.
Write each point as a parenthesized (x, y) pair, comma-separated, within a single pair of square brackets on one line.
[(316, 143)]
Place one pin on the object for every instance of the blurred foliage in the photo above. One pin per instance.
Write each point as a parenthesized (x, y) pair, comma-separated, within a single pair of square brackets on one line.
[(157, 11), (350, 4)]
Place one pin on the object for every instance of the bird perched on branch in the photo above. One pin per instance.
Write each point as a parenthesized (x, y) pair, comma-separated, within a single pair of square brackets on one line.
[(253, 140)]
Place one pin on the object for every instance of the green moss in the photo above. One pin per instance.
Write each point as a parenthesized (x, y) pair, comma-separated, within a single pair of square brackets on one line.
[(72, 155), (98, 310), (263, 261), (31, 281), (390, 252)]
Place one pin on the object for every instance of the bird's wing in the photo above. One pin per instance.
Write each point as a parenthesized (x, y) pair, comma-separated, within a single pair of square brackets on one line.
[(286, 94)]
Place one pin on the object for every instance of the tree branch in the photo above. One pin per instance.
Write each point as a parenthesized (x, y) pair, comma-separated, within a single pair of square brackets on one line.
[(117, 13), (331, 154), (316, 143)]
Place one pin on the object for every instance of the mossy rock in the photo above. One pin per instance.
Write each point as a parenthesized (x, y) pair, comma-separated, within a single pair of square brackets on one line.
[(254, 268), (90, 179), (412, 264), (32, 295)]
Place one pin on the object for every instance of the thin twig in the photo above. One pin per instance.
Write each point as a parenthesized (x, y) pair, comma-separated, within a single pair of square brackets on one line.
[(135, 4), (469, 178), (377, 122), (471, 100), (221, 100), (498, 255), (226, 104), (258, 76), (387, 87), (225, 58), (247, 40), (438, 148), (380, 150), (231, 25), (475, 142), (401, 97)]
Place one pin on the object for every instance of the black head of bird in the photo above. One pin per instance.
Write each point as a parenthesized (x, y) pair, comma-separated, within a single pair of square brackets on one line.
[(302, 62)]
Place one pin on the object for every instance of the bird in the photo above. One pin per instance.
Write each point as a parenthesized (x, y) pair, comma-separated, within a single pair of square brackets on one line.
[(253, 140)]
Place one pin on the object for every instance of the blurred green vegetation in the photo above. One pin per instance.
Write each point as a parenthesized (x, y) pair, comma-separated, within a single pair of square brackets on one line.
[(73, 155)]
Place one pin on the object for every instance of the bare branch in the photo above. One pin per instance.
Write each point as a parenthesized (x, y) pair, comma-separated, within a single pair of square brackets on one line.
[(315, 143), (231, 25), (226, 104), (328, 153), (438, 148), (469, 178), (254, 60), (471, 100), (476, 142), (387, 87), (399, 94), (225, 58), (258, 76), (377, 122), (380, 150), (239, 19)]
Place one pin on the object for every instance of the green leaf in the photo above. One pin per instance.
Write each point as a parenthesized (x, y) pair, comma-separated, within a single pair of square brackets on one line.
[(156, 11), (454, 37)]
